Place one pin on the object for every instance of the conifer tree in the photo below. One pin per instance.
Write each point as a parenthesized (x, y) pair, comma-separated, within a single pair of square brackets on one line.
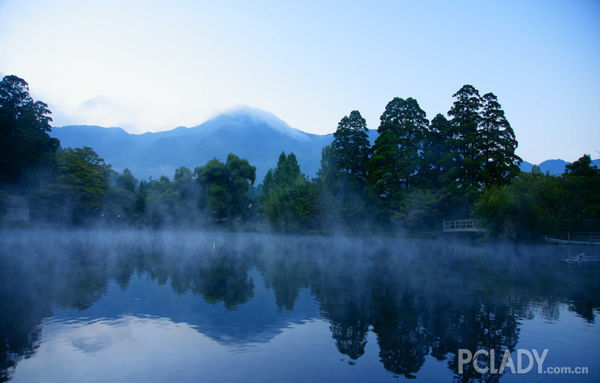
[(351, 146)]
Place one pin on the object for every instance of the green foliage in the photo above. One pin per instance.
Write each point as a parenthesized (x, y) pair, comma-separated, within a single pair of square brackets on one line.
[(497, 144), (342, 195), (215, 192), (343, 202), (417, 174), (79, 187), (289, 198), (465, 113), (398, 154), (214, 179), (384, 167), (24, 127), (328, 170), (420, 210), (163, 204), (526, 209), (118, 205), (483, 141), (438, 157), (351, 147), (225, 187), (582, 168), (243, 176), (139, 204), (126, 181), (582, 203), (407, 122)]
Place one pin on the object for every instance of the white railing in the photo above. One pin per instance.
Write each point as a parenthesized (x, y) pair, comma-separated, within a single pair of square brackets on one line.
[(462, 225)]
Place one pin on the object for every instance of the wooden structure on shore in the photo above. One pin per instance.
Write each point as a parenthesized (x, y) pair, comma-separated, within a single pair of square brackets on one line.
[(462, 225)]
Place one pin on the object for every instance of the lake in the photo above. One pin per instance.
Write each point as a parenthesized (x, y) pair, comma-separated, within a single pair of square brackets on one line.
[(182, 306)]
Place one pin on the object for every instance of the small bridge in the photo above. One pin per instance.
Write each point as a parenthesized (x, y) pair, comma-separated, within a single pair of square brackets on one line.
[(462, 225)]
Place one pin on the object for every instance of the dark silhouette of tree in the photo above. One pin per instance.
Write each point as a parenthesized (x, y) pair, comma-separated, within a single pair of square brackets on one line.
[(343, 198), (466, 117), (351, 146), (498, 144), (581, 207), (582, 167), (397, 152), (384, 169), (24, 128), (406, 120), (438, 157)]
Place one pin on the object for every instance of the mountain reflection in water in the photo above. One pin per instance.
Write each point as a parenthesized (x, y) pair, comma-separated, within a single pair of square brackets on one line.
[(158, 305)]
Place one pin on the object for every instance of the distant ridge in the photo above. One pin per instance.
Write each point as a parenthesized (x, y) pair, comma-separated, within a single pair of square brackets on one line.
[(554, 167), (251, 133)]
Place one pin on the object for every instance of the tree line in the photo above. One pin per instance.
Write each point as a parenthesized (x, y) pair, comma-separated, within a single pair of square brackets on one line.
[(415, 174)]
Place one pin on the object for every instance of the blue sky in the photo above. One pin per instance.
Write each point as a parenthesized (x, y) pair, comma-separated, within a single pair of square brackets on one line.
[(149, 66)]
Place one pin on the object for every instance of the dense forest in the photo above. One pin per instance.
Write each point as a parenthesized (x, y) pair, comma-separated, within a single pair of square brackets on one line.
[(416, 174)]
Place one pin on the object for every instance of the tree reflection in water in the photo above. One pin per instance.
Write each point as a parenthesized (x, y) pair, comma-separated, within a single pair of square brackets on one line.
[(418, 298)]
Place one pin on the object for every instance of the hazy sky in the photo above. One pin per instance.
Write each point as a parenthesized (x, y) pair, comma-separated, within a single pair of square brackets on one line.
[(149, 66)]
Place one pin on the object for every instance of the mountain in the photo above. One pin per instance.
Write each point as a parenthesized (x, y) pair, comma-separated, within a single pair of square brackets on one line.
[(250, 133), (554, 167), (253, 134)]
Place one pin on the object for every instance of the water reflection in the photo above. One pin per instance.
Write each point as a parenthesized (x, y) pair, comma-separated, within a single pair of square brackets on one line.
[(418, 299)]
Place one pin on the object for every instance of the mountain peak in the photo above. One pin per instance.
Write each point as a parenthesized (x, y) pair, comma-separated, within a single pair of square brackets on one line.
[(256, 115)]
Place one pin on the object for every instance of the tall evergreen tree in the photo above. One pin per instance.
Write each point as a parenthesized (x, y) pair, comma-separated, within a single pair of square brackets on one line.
[(287, 171), (351, 146), (438, 158), (397, 152), (408, 122), (466, 118), (343, 174), (385, 166), (497, 144)]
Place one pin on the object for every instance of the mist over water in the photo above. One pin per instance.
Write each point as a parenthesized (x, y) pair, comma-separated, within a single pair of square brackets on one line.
[(102, 305)]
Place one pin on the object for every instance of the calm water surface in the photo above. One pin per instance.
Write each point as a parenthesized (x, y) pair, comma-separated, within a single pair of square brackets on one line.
[(187, 307)]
